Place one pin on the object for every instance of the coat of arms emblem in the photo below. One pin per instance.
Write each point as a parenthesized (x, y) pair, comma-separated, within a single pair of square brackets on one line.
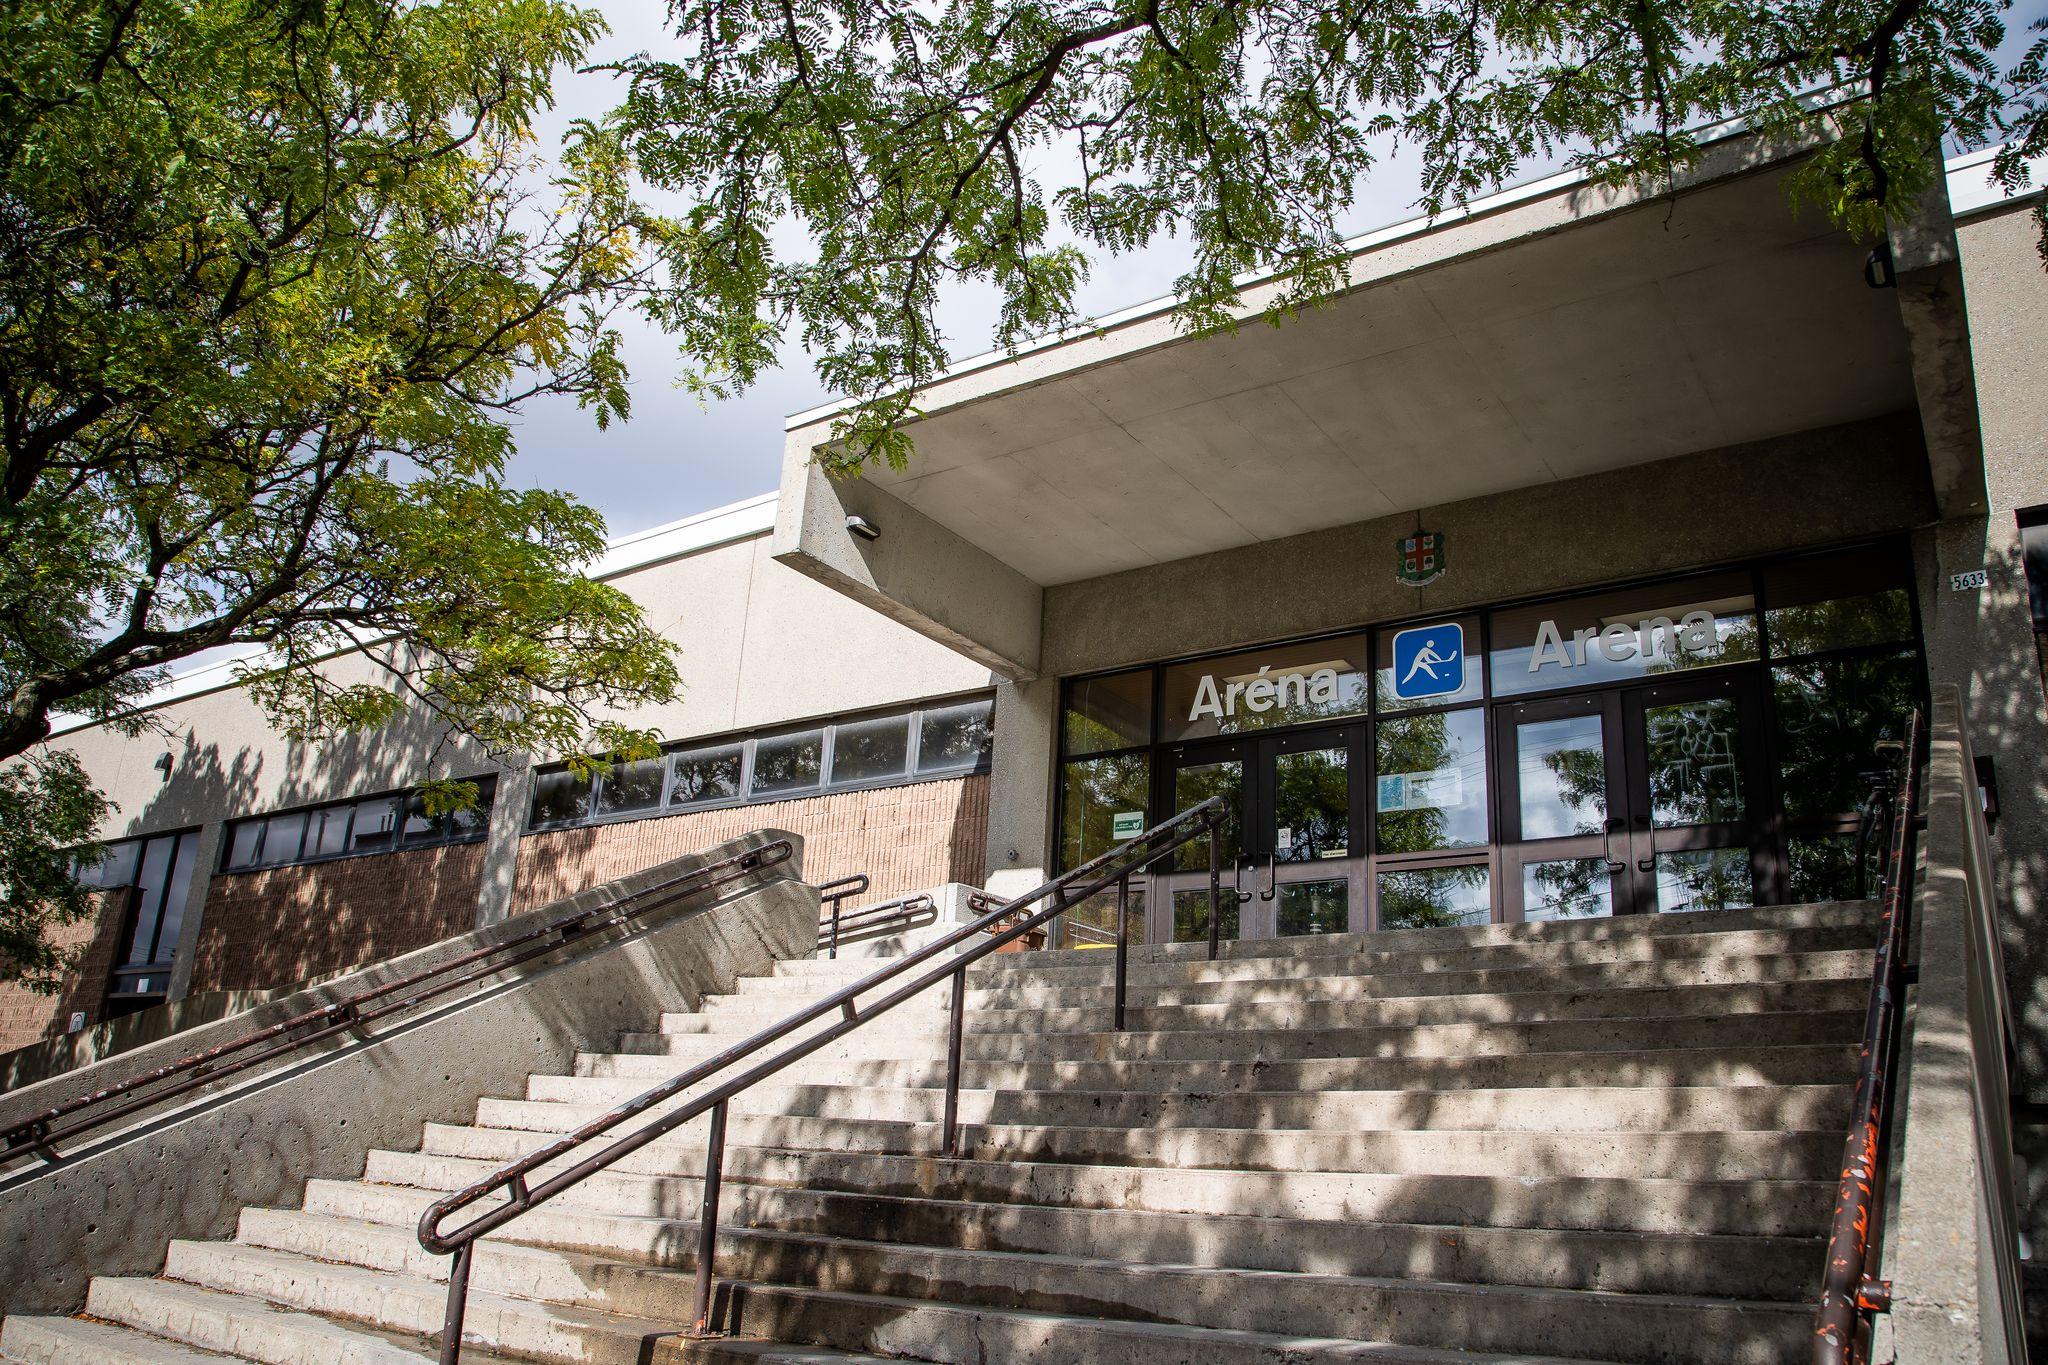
[(1421, 558)]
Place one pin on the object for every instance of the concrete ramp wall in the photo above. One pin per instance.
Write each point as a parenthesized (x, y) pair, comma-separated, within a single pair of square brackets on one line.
[(117, 1201)]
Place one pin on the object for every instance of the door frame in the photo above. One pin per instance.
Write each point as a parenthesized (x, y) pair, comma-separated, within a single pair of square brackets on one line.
[(1611, 845), (1752, 832), (1254, 876)]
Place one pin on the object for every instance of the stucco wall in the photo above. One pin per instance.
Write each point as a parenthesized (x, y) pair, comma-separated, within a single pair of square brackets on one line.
[(759, 644), (1983, 640), (287, 925), (905, 838)]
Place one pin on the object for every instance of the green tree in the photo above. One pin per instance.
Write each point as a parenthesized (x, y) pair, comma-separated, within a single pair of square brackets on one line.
[(271, 274), (921, 144)]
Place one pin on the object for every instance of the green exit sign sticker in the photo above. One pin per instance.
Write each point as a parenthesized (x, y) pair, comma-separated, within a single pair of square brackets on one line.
[(1126, 824)]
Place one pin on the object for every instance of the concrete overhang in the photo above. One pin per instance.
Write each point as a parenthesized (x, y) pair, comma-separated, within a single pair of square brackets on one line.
[(1555, 331)]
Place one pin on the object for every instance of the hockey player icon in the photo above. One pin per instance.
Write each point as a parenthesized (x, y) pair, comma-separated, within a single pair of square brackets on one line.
[(1427, 660)]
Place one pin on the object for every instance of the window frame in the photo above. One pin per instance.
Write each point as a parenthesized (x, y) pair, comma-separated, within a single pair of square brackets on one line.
[(225, 866), (747, 741)]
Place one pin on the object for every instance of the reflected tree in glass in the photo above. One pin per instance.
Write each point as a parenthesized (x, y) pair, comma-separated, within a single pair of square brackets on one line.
[(1695, 776), (1096, 789), (1831, 714), (1312, 801), (1434, 898)]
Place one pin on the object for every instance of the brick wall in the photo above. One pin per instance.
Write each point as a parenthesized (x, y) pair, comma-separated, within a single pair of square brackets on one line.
[(291, 924), (27, 1016), (905, 838)]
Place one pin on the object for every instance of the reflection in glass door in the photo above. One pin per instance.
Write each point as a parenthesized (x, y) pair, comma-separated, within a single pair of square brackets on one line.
[(1292, 859), (1178, 900), (1631, 801), (1696, 766), (1563, 837), (1306, 836)]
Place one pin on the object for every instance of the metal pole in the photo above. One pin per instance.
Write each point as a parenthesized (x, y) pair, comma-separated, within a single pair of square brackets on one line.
[(833, 951), (707, 1218), (951, 1146), (1123, 943), (1215, 892), (458, 1301)]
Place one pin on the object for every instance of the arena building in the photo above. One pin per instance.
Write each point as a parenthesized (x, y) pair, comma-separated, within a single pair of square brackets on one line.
[(1575, 560)]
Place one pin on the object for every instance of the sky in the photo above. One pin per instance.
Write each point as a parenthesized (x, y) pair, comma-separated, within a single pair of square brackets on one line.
[(677, 456)]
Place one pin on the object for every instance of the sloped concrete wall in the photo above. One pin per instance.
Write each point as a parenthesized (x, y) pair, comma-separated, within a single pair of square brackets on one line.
[(113, 1207)]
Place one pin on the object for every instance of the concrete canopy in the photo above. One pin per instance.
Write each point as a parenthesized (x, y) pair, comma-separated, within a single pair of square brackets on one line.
[(1550, 333)]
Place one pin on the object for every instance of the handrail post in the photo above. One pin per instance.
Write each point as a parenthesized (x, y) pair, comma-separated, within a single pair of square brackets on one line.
[(951, 1144), (1215, 890), (833, 951), (1123, 943), (707, 1218), (458, 1303)]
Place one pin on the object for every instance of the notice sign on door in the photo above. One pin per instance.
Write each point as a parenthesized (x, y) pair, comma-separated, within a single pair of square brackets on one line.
[(1126, 824), (1429, 661)]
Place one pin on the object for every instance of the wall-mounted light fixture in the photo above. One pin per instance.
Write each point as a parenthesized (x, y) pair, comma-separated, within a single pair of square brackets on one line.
[(163, 764), (863, 528)]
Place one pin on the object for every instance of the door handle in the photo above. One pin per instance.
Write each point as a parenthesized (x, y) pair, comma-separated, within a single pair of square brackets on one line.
[(1272, 877), (1614, 864), (1237, 883), (1648, 864)]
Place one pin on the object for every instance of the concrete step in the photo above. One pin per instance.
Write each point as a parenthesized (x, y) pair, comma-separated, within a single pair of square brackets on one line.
[(1057, 990), (1756, 1208), (922, 1330), (251, 1328), (1755, 1155), (1624, 1326), (1786, 1268), (1647, 1107), (512, 1326), (1755, 1065), (68, 1341), (1372, 957), (1527, 1006), (1831, 915), (1269, 1045)]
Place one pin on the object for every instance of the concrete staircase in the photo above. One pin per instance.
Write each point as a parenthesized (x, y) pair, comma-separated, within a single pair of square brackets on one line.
[(1595, 1141)]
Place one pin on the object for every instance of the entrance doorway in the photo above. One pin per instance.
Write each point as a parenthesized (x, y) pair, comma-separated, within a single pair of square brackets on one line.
[(1293, 854), (1635, 800)]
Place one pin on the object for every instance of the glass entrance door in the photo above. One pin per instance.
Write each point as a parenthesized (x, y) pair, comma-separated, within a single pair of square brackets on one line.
[(1177, 902), (1306, 829), (1700, 787), (1632, 801), (1292, 857), (1564, 803)]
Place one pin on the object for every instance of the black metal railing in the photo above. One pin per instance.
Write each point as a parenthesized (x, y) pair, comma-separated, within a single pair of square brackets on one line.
[(522, 1189), (870, 921), (41, 1133), (1851, 1292)]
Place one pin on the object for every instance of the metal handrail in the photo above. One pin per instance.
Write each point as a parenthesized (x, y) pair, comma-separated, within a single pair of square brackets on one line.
[(835, 893), (902, 912), (41, 1133), (1114, 868), (1850, 1290)]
